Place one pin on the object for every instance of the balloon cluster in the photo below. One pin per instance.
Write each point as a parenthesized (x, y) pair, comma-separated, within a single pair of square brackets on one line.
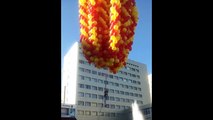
[(107, 31)]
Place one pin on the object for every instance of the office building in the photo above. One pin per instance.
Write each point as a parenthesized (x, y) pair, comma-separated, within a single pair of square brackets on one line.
[(83, 87)]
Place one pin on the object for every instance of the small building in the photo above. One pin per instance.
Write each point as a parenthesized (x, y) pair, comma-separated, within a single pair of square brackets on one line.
[(67, 112)]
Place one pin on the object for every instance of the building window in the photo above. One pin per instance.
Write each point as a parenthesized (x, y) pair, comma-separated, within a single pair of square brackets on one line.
[(112, 106), (126, 93), (127, 107), (107, 114), (94, 104), (94, 80), (130, 80), (122, 107), (131, 100), (107, 105), (81, 103), (140, 95), (138, 82), (135, 88), (136, 95), (126, 86), (120, 78), (94, 96), (87, 86), (94, 88), (139, 89), (128, 68), (104, 74), (116, 77), (137, 71), (111, 90), (122, 92), (148, 111), (111, 83), (81, 85), (87, 71), (133, 69), (134, 81), (130, 87), (87, 95), (106, 82), (100, 81), (88, 78), (117, 99), (125, 73), (112, 114), (117, 91), (112, 98), (125, 80), (99, 73), (100, 89), (131, 94), (107, 97), (101, 113), (100, 104), (100, 97), (119, 115), (81, 61), (116, 84), (122, 85), (94, 113), (117, 106), (127, 100), (80, 94), (122, 100), (81, 77), (138, 76), (111, 76), (94, 72), (140, 102), (87, 113), (80, 112), (87, 103), (86, 63), (105, 68), (81, 69)]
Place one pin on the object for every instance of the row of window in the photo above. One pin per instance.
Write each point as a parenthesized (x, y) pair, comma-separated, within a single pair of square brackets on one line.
[(112, 83), (89, 87), (95, 113), (104, 74), (111, 98), (132, 65), (107, 114), (110, 106), (129, 74), (127, 80), (146, 111), (126, 67)]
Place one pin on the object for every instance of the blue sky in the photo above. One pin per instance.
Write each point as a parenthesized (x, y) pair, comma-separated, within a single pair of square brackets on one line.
[(142, 44)]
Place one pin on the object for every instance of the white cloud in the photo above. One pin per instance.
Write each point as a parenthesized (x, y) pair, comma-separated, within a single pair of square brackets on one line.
[(150, 84)]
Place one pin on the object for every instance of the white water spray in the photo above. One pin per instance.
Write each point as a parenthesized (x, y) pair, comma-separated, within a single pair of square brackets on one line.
[(136, 113)]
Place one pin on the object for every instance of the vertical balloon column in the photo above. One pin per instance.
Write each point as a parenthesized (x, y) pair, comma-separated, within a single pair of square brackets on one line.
[(107, 30)]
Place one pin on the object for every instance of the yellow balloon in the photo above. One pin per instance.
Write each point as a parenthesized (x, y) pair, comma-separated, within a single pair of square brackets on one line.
[(88, 53), (92, 2)]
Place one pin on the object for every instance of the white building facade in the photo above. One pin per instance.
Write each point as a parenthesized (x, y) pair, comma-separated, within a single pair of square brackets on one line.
[(83, 87)]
